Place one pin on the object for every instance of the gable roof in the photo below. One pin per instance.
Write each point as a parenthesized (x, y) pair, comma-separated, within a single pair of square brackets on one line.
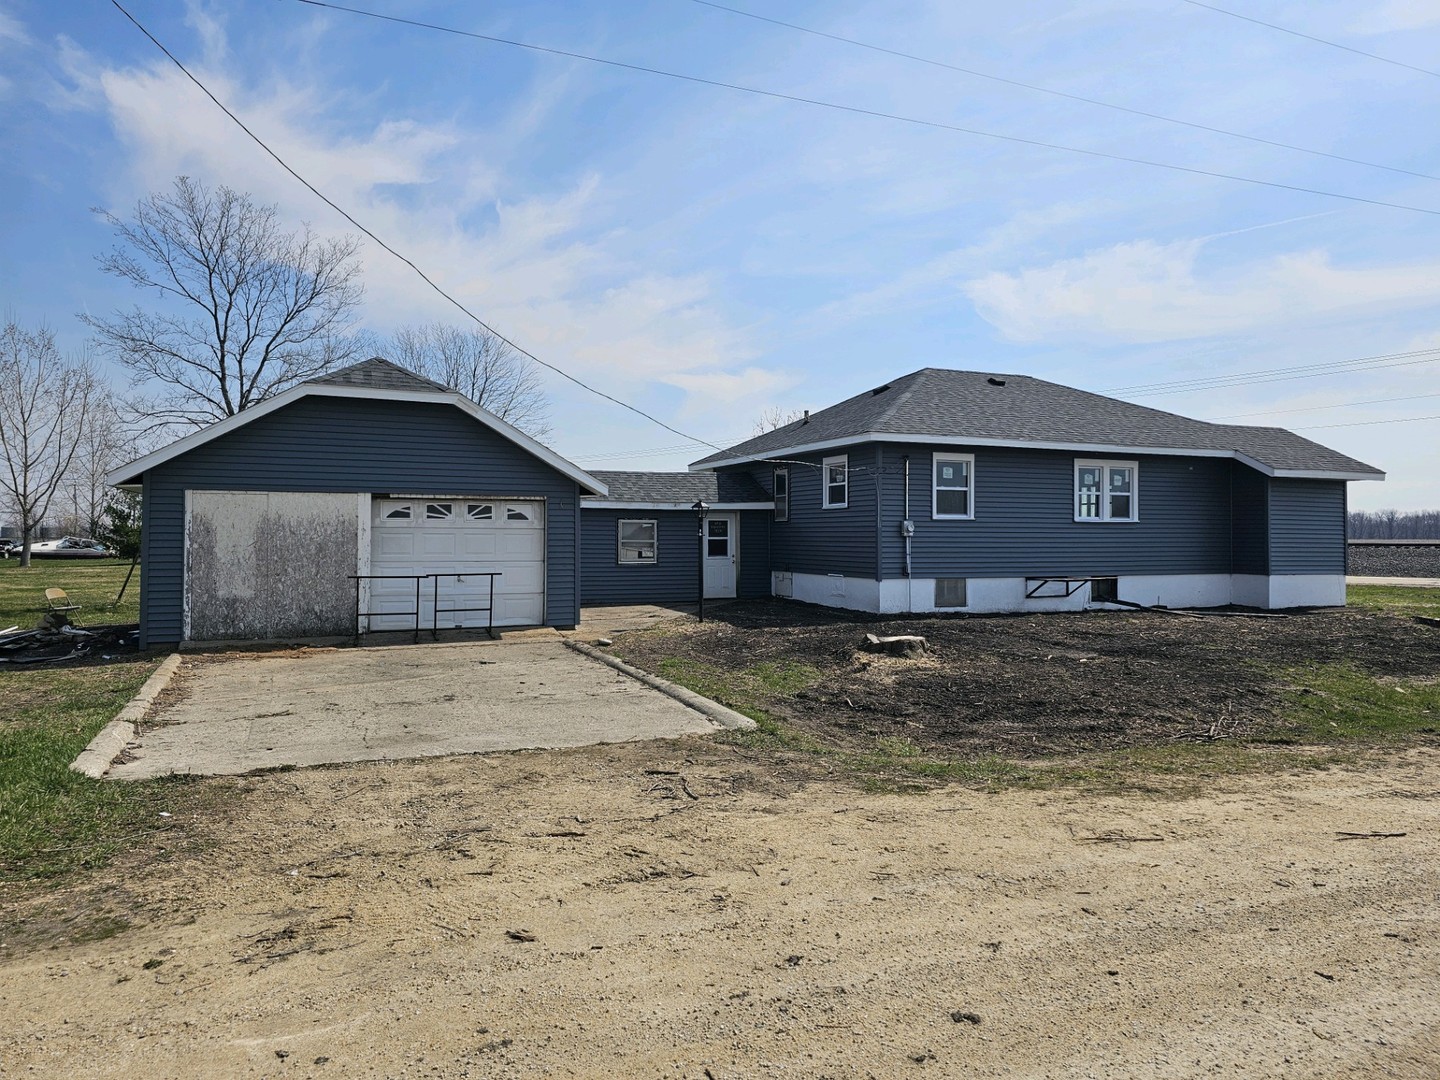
[(968, 408), (376, 379), (669, 490)]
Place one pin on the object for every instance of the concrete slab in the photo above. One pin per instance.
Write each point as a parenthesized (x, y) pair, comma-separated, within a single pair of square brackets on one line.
[(259, 711)]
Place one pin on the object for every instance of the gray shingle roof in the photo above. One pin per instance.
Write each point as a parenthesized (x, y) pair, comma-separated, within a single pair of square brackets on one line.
[(937, 402), (378, 373), (664, 487)]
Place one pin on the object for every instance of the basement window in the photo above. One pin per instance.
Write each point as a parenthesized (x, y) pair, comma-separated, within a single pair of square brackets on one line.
[(949, 592), (638, 541), (1106, 491), (1104, 590)]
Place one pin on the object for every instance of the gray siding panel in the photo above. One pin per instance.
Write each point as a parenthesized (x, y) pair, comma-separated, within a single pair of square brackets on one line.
[(1025, 521), (361, 445), (674, 576), (820, 541), (1307, 526), (1250, 520)]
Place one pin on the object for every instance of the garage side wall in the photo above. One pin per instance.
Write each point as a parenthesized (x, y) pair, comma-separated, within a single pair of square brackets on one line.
[(674, 577), (351, 445), (250, 564)]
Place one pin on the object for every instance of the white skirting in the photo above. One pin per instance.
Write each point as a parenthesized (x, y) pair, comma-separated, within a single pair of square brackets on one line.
[(990, 595)]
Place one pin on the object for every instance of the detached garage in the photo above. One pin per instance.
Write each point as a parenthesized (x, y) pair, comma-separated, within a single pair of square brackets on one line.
[(256, 527)]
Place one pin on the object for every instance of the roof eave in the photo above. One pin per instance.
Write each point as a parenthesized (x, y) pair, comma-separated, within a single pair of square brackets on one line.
[(631, 504)]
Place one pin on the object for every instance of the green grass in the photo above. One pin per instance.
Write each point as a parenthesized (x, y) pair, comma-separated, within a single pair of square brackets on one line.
[(52, 820), (1331, 715), (91, 583), (1395, 599)]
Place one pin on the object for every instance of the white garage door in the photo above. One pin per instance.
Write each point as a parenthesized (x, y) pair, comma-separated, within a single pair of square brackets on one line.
[(465, 537)]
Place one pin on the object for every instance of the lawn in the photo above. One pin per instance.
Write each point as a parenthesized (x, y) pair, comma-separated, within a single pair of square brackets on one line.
[(53, 820), (91, 583), (1396, 599)]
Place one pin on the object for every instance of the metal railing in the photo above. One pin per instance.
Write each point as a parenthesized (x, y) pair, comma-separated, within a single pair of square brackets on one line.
[(417, 610)]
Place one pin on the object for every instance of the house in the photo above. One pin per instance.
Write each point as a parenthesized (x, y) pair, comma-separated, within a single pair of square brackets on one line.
[(970, 491), (258, 526), (372, 497)]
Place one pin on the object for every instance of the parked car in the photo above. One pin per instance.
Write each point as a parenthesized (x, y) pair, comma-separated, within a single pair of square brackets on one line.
[(70, 547), (8, 547)]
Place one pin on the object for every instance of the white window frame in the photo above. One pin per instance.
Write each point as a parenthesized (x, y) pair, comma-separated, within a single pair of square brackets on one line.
[(782, 502), (620, 542), (1105, 465), (936, 488), (843, 460)]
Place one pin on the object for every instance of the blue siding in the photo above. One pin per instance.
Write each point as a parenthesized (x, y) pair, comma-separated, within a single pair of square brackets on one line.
[(819, 541), (1025, 520), (351, 444), (1307, 526), (1250, 520), (674, 576)]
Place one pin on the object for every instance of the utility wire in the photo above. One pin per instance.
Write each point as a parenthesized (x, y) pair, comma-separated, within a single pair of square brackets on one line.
[(1060, 93), (1321, 408), (1367, 423), (860, 111), (1312, 37), (423, 276), (1332, 367)]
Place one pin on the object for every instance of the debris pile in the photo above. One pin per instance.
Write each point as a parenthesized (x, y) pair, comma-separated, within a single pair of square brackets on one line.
[(56, 639)]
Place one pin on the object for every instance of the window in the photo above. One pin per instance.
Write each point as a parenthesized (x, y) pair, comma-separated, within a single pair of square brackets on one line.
[(637, 541), (952, 486), (717, 538), (835, 474), (782, 494), (517, 513), (438, 511), (949, 592), (400, 513), (1106, 491), (480, 511)]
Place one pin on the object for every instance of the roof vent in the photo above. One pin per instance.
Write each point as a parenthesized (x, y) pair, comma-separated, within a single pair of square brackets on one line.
[(879, 389), (994, 381), (806, 418)]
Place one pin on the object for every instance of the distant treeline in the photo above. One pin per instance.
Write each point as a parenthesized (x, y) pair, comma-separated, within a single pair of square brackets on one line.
[(1395, 525)]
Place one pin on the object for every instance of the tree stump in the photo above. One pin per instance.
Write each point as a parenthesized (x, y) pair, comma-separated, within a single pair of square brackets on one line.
[(907, 646)]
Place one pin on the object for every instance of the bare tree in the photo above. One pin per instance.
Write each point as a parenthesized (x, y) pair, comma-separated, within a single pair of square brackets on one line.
[(246, 308), (44, 408), (106, 442), (775, 417), (480, 365)]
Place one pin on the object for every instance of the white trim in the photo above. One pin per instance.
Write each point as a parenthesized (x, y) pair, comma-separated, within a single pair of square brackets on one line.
[(781, 452), (362, 558), (843, 460), (775, 474), (185, 573), (621, 504), (128, 473), (1105, 465), (935, 489)]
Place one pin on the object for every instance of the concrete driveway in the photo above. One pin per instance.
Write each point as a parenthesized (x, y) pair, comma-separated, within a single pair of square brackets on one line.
[(235, 714)]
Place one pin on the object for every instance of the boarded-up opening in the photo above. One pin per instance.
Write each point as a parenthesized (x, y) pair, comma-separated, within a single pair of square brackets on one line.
[(261, 565)]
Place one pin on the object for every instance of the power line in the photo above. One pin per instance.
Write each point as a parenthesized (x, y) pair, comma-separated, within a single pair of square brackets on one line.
[(1312, 37), (1306, 371), (860, 111), (423, 276), (1367, 423), (1059, 93), (1321, 408)]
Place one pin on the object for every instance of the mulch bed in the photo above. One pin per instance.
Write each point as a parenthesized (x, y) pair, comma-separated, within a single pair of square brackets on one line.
[(1033, 684)]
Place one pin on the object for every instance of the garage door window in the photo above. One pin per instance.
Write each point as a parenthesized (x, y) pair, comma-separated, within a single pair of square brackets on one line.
[(400, 513), (517, 513), (439, 511), (480, 511), (637, 541)]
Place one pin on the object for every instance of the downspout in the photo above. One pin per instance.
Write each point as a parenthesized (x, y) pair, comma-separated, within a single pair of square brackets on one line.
[(908, 530)]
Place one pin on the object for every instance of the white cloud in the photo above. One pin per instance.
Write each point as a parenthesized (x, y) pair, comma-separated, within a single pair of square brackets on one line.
[(548, 269), (1144, 291)]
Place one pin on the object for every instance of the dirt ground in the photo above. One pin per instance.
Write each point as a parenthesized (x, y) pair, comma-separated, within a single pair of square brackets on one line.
[(686, 909), (1026, 685)]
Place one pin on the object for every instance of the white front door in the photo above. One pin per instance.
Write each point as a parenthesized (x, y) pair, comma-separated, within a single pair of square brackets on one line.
[(720, 540), (464, 539)]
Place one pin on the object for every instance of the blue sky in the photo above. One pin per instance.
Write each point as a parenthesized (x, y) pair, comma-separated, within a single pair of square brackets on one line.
[(706, 254)]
